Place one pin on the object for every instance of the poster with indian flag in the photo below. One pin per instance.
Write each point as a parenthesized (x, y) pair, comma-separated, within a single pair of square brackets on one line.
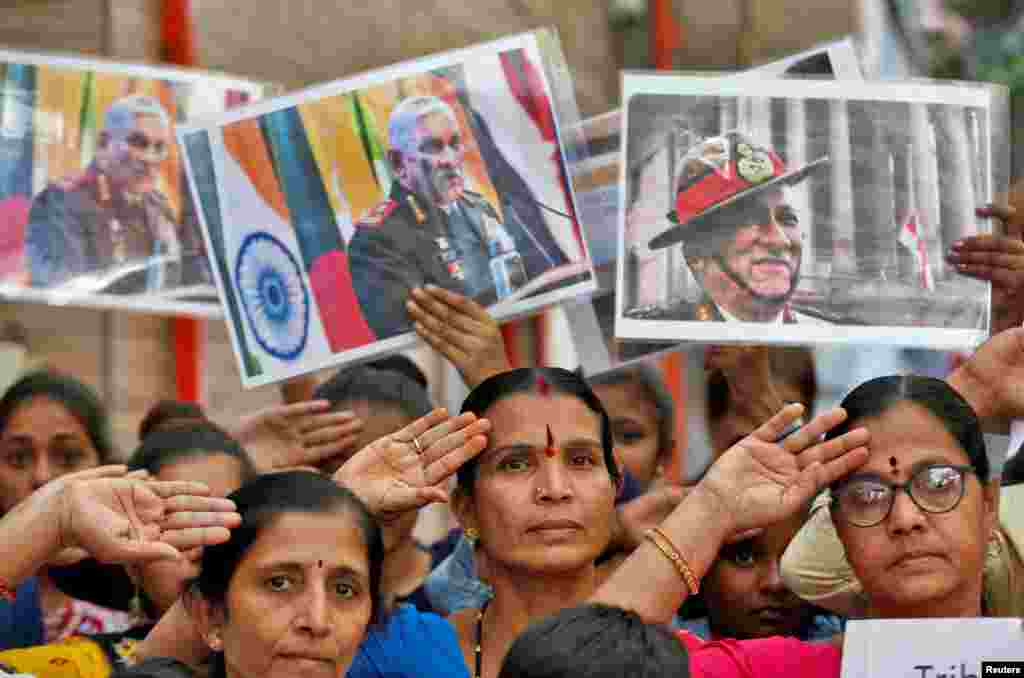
[(93, 206), (324, 208)]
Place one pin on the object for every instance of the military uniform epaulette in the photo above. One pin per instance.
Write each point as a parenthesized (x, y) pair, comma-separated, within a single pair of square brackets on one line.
[(376, 216), (683, 310), (827, 316), (75, 182), (91, 181)]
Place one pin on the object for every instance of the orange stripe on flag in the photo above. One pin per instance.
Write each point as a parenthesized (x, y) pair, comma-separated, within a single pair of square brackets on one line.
[(245, 142)]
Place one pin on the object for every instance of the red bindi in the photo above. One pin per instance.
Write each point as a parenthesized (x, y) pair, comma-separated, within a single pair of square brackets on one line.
[(551, 450), (543, 386)]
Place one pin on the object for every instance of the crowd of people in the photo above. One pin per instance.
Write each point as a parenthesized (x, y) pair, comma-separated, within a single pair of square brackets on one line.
[(284, 544)]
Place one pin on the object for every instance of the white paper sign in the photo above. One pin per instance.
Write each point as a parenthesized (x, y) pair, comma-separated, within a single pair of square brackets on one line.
[(932, 648)]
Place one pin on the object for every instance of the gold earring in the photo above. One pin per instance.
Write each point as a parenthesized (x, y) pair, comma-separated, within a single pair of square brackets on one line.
[(137, 609), (214, 641), (472, 535)]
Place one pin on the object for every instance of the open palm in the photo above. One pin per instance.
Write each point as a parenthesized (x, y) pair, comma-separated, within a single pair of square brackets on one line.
[(299, 434), (391, 476), (761, 480), (992, 380), (461, 330), (119, 519)]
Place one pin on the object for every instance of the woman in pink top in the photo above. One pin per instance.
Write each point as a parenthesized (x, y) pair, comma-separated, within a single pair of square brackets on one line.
[(598, 641), (913, 508)]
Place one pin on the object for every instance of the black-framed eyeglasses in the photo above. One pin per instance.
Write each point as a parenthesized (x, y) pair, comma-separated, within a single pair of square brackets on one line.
[(866, 500)]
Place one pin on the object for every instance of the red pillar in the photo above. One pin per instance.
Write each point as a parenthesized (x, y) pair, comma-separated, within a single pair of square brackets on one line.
[(178, 48), (664, 32)]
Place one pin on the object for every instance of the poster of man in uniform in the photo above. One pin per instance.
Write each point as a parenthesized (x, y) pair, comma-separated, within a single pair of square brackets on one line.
[(324, 209), (91, 185), (596, 180), (795, 211)]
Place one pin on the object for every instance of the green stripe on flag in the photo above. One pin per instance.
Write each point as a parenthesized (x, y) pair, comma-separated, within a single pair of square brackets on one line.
[(365, 126), (87, 132)]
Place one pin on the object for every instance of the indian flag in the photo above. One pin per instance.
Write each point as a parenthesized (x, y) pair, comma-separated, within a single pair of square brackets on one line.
[(910, 237)]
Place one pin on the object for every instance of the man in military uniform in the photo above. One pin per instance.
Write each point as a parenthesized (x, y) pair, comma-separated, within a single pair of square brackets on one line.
[(112, 214), (742, 239), (431, 229)]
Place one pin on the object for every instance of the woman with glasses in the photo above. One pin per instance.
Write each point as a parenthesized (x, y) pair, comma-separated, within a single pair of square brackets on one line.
[(815, 564), (913, 511), (916, 519)]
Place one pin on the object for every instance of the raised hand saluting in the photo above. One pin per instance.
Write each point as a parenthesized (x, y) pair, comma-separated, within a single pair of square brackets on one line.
[(761, 479), (764, 478), (406, 470), (113, 516)]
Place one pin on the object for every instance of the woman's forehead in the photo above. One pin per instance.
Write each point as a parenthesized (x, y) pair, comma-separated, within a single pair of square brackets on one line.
[(333, 539), (905, 435), (531, 414)]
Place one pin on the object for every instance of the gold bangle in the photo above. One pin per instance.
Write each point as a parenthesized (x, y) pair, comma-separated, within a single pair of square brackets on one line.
[(665, 545)]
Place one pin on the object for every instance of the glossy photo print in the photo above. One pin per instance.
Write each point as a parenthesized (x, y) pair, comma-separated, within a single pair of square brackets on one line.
[(325, 208), (596, 179), (92, 189), (794, 211), (596, 174)]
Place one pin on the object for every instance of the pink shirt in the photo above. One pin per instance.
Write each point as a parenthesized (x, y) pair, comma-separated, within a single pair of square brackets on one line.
[(775, 657)]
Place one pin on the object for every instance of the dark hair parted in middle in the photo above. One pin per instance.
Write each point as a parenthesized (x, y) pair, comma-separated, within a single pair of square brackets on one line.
[(266, 498), (383, 386), (193, 439), (596, 641), (78, 398), (535, 380), (875, 397)]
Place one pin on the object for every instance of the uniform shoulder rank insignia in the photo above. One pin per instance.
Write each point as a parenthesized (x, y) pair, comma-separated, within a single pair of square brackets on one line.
[(704, 312), (820, 314), (76, 181), (414, 205), (377, 215)]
